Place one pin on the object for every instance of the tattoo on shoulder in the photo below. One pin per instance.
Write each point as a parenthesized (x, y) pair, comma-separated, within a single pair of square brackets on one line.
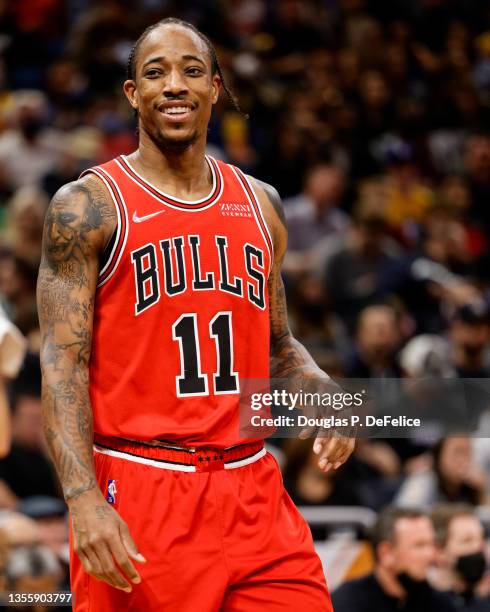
[(275, 199), (74, 212)]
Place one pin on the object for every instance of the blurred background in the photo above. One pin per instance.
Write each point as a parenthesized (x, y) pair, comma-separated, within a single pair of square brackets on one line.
[(372, 119)]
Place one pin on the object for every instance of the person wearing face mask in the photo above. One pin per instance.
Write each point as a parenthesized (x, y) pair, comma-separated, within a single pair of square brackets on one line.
[(461, 564), (404, 548)]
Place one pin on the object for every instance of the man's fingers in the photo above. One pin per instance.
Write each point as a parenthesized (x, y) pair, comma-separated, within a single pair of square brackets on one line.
[(87, 565), (97, 566), (122, 557), (345, 454), (111, 573), (334, 452), (129, 544)]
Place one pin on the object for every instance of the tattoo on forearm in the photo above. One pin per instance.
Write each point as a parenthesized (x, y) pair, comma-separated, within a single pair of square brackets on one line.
[(66, 288), (287, 355)]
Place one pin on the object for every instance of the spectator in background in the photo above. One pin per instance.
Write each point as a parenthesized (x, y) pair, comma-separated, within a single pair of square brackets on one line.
[(12, 351), (308, 485), (24, 231), (357, 272), (33, 569), (26, 470), (461, 566), (51, 518), (403, 542), (469, 336), (312, 319), (454, 477), (314, 216), (408, 199), (377, 341), (29, 148), (18, 290)]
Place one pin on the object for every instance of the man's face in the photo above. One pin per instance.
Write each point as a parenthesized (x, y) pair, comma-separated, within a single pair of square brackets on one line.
[(174, 90), (465, 537), (471, 337), (412, 550), (378, 334), (325, 186)]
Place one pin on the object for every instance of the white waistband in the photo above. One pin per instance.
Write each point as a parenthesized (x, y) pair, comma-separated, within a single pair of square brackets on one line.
[(179, 467)]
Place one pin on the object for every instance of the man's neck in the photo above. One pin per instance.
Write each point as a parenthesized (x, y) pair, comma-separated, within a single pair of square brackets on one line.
[(389, 583), (181, 172)]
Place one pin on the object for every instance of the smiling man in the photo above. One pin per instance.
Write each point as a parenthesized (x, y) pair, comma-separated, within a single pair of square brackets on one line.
[(159, 291)]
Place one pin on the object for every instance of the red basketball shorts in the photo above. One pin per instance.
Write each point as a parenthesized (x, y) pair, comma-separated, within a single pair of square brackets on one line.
[(222, 536)]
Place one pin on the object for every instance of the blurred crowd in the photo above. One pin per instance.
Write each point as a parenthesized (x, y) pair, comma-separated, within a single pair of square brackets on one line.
[(372, 119)]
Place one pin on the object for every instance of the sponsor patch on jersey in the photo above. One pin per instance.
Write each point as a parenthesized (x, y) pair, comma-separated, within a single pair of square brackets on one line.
[(111, 491), (231, 209)]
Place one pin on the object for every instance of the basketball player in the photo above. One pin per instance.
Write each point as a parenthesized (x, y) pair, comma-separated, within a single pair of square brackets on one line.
[(159, 290)]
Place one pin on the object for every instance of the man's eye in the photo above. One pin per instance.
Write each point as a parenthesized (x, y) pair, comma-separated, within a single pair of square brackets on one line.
[(152, 73), (193, 71)]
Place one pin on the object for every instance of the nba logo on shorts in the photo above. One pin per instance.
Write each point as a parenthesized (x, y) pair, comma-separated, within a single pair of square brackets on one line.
[(111, 491)]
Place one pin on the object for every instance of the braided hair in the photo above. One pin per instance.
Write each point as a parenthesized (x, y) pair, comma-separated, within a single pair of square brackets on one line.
[(215, 65)]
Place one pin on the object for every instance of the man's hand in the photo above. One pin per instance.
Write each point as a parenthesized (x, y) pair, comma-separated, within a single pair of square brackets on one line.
[(102, 541), (333, 452), (336, 444)]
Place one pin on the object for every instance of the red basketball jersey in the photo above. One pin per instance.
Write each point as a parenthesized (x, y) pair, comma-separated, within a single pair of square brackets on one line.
[(181, 309)]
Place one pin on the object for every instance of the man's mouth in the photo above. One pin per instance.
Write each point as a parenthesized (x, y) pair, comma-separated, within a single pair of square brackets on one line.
[(176, 110)]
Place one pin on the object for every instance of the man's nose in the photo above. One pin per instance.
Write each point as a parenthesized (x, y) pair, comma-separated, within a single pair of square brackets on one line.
[(175, 83)]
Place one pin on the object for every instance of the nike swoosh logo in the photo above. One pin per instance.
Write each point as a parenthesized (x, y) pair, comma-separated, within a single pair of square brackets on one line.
[(137, 219)]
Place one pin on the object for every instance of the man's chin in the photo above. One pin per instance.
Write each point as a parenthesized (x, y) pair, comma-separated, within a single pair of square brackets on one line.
[(176, 139)]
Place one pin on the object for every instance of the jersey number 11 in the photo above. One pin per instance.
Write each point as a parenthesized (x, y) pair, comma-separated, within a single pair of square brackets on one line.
[(192, 381)]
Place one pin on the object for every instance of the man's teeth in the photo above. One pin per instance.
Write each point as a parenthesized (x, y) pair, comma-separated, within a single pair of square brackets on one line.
[(176, 109)]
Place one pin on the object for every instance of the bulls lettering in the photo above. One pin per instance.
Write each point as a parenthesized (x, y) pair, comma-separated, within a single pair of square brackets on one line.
[(181, 267)]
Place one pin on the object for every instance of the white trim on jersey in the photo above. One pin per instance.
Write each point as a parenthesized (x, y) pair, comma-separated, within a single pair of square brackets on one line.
[(101, 173), (175, 199)]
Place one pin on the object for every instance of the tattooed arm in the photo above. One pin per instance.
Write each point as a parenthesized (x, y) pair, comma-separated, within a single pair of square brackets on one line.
[(288, 357), (79, 222)]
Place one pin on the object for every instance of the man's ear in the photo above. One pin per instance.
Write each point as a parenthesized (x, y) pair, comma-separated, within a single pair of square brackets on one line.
[(130, 92), (217, 84)]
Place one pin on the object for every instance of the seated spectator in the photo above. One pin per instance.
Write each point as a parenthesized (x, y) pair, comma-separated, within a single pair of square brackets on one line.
[(403, 542), (25, 225), (469, 335), (27, 470), (33, 569), (308, 485), (12, 351), (453, 477), (314, 215), (363, 270), (408, 198), (378, 338), (18, 292), (50, 515), (461, 562), (28, 147), (312, 319)]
